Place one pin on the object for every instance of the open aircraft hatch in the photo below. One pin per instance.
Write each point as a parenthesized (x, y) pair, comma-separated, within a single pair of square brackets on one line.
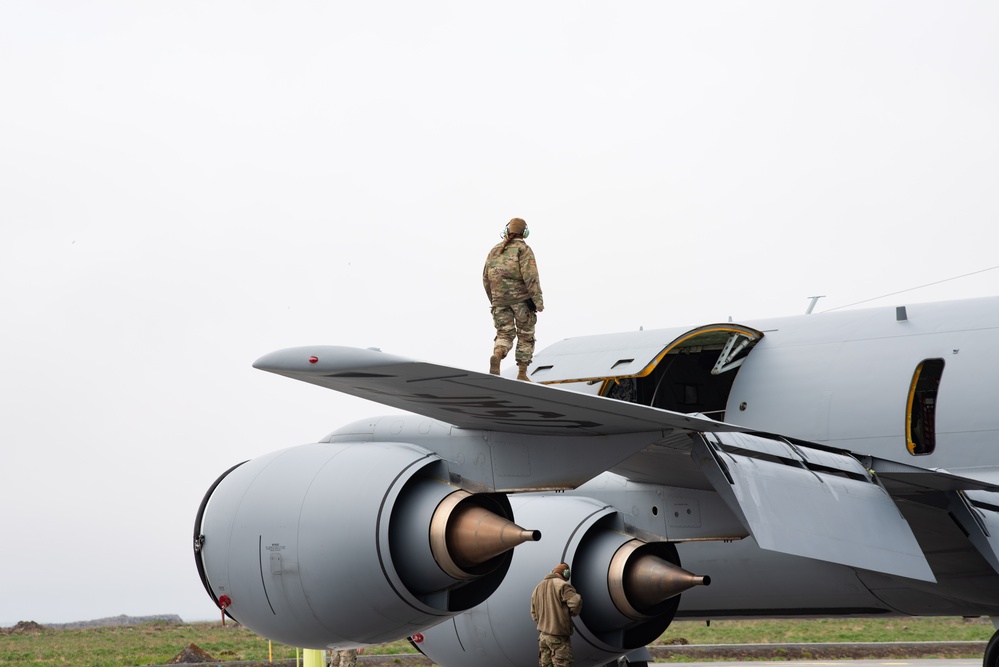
[(680, 370)]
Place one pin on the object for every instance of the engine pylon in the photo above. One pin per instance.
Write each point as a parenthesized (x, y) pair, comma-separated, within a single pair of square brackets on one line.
[(464, 535), (641, 581)]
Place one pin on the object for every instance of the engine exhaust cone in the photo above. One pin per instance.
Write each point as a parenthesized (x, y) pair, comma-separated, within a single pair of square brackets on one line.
[(464, 535), (639, 580), (651, 580), (475, 535)]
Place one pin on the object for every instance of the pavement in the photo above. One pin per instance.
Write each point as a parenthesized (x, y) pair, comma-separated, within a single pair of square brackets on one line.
[(812, 651), (919, 662)]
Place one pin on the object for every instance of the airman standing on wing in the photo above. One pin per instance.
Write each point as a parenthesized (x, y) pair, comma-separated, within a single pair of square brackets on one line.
[(510, 278)]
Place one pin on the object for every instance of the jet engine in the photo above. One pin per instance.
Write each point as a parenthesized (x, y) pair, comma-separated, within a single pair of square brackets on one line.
[(349, 544), (630, 589)]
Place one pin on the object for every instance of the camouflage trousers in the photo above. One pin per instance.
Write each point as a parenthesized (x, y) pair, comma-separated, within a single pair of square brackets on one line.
[(346, 658), (554, 650), (516, 321)]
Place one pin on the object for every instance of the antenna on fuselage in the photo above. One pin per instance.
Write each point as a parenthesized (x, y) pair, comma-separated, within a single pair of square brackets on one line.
[(811, 305)]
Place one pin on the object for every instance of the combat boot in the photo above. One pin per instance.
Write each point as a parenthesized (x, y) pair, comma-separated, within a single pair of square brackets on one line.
[(494, 361), (522, 375)]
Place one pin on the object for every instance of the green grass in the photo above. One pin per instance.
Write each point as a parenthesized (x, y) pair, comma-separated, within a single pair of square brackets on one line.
[(946, 628), (157, 643), (147, 644)]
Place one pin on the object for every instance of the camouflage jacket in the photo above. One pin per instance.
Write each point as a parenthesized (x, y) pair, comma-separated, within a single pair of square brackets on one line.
[(512, 277), (553, 602)]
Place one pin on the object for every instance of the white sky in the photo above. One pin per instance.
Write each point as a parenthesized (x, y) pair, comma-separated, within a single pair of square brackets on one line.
[(186, 186)]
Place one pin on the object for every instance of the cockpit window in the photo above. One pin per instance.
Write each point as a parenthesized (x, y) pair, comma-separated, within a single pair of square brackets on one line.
[(921, 408)]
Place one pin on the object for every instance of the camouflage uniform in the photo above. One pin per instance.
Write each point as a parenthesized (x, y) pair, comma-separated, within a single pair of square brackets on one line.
[(554, 651), (510, 278), (553, 604), (347, 658)]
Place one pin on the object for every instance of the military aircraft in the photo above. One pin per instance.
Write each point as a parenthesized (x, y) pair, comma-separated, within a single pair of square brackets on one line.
[(835, 464)]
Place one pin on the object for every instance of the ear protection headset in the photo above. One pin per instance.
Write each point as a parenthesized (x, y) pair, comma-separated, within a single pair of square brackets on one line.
[(564, 573), (506, 231)]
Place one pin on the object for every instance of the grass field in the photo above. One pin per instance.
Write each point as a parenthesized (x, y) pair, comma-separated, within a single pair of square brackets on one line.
[(157, 643)]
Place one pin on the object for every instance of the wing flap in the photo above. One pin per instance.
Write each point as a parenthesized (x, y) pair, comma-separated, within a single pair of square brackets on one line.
[(978, 514), (818, 505), (972, 502), (902, 478)]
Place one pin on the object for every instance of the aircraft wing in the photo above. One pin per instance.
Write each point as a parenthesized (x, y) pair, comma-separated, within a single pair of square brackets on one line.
[(473, 400), (786, 494)]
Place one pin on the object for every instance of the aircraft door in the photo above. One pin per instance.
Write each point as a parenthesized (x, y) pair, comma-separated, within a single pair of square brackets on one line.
[(920, 408)]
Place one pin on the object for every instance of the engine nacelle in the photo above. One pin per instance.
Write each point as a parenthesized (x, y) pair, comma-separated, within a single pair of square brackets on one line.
[(630, 589), (349, 544)]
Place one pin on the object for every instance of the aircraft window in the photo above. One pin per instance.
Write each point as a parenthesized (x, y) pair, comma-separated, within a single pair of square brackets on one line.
[(921, 408)]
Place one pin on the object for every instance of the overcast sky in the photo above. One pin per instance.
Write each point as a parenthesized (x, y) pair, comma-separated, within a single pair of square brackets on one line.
[(186, 186)]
